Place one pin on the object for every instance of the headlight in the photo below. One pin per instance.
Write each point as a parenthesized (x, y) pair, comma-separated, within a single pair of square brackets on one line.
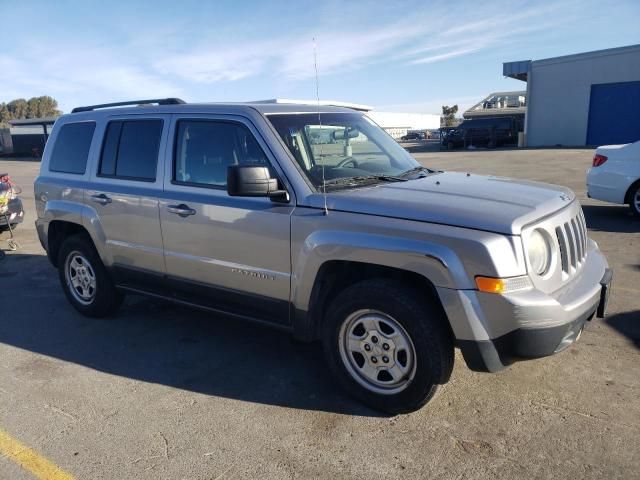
[(539, 252)]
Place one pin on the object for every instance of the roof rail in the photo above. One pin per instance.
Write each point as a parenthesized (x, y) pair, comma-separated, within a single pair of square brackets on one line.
[(159, 101)]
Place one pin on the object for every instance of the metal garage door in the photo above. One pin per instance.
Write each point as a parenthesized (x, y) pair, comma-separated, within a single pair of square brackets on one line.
[(614, 113)]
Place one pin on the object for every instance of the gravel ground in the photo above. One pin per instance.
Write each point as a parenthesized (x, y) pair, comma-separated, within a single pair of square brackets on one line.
[(164, 392)]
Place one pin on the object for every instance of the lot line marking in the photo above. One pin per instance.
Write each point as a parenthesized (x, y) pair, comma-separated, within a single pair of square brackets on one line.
[(30, 460)]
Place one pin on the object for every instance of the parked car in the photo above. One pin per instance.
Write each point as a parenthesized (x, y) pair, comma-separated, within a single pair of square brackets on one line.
[(231, 208), (615, 175), (488, 132), (413, 136)]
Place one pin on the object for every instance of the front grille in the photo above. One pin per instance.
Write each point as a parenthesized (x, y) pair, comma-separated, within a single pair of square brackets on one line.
[(572, 238)]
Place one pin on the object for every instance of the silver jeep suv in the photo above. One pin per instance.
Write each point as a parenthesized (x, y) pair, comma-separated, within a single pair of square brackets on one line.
[(314, 220)]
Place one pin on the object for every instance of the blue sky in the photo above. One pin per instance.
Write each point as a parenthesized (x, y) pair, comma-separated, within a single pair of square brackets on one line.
[(401, 55)]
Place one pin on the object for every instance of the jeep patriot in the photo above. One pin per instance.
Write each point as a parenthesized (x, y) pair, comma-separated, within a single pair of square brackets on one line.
[(315, 221)]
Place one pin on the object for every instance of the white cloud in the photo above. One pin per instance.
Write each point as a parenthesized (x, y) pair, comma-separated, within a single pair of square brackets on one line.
[(291, 56), (346, 50), (217, 64), (76, 75), (445, 56), (159, 61)]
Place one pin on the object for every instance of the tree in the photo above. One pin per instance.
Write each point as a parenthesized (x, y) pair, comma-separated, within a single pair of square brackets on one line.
[(18, 108), (35, 107), (44, 106), (5, 115), (448, 118)]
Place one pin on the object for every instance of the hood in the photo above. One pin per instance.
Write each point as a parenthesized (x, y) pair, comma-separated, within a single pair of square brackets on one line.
[(494, 204)]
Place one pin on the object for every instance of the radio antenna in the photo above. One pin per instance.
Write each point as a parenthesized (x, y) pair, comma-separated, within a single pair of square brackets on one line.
[(315, 66)]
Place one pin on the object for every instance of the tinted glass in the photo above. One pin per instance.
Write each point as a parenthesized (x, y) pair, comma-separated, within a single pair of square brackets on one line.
[(204, 150), (110, 149), (72, 148), (330, 147), (138, 149)]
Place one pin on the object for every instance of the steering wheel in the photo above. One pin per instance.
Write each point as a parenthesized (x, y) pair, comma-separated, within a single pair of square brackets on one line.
[(346, 161)]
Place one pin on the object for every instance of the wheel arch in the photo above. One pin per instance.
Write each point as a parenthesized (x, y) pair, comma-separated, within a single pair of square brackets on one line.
[(58, 231), (334, 276), (630, 190)]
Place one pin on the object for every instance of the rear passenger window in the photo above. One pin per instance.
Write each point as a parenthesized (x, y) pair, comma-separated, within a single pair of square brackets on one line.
[(130, 149), (204, 151), (72, 148)]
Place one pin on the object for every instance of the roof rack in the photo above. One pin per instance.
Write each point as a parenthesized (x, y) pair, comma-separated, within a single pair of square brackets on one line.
[(159, 101)]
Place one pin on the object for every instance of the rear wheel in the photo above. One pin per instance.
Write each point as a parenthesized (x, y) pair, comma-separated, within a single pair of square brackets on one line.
[(84, 279), (387, 346), (634, 199)]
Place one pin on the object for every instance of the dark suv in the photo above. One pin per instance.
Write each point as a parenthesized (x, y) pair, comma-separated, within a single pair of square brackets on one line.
[(413, 136), (489, 132)]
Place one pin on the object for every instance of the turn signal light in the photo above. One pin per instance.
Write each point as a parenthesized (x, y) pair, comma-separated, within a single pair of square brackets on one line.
[(598, 160), (502, 285), (490, 285)]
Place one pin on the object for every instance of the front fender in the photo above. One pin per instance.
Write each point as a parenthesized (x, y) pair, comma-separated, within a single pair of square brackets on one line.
[(435, 262)]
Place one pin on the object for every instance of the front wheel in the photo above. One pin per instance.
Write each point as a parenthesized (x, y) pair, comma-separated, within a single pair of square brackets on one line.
[(84, 279), (387, 345)]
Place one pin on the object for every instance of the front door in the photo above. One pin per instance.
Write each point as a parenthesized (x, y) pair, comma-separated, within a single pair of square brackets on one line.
[(229, 253)]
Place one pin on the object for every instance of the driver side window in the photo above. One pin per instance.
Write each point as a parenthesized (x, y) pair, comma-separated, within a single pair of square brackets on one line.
[(205, 149)]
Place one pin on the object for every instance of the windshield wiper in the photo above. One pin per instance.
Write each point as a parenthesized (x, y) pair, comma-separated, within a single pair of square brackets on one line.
[(419, 169), (364, 179), (389, 178)]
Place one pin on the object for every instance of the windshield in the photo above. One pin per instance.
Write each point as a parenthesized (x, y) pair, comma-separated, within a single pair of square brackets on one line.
[(347, 145)]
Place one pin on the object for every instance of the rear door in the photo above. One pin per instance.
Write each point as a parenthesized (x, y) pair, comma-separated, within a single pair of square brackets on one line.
[(124, 194), (228, 253)]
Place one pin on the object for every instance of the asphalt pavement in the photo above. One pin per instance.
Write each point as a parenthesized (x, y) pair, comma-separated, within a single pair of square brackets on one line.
[(161, 391)]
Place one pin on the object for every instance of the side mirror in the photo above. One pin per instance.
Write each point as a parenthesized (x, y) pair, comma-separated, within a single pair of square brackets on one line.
[(253, 181)]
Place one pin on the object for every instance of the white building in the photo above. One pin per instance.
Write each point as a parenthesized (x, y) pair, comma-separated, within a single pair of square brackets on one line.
[(396, 124), (590, 98)]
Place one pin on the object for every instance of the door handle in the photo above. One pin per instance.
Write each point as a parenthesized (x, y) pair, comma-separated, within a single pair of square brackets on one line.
[(102, 199), (182, 210)]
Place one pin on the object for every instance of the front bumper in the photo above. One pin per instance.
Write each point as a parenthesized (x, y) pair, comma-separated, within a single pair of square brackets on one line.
[(493, 330), (14, 213)]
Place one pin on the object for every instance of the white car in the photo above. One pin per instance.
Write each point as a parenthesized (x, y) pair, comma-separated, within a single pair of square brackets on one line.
[(615, 175)]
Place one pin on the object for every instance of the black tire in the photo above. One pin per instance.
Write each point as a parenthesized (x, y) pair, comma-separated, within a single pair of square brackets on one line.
[(634, 192), (106, 298), (423, 321)]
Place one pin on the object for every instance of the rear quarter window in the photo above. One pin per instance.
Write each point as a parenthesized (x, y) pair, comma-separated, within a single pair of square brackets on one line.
[(71, 149)]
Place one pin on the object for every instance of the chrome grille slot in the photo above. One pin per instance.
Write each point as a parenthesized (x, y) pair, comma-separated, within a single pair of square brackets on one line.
[(583, 222), (563, 249), (572, 244), (578, 238), (572, 240)]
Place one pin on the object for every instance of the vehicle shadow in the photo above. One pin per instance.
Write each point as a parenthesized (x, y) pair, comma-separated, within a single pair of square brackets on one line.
[(158, 342), (610, 218), (628, 324)]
